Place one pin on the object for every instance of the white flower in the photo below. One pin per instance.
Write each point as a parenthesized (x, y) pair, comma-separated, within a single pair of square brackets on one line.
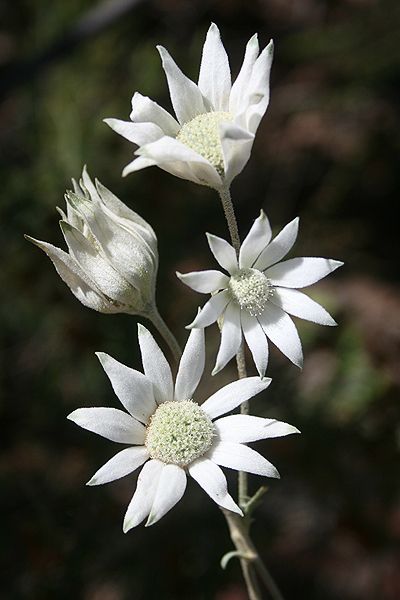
[(259, 292), (113, 259), (211, 138), (172, 434)]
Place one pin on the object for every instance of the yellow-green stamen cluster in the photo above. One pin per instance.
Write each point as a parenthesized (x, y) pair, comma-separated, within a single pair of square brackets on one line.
[(202, 135), (251, 290), (179, 432)]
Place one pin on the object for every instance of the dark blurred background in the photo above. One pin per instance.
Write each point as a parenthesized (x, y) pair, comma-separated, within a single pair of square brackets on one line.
[(327, 150)]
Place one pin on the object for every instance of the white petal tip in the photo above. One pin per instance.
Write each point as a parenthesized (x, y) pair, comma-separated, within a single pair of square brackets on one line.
[(101, 356), (142, 329), (150, 521), (127, 526), (287, 430), (30, 239), (331, 323), (253, 39), (72, 416), (163, 52), (91, 482), (125, 171), (299, 362), (235, 509)]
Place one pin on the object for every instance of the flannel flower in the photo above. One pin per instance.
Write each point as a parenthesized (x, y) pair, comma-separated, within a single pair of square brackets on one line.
[(171, 435), (260, 293), (211, 138), (112, 261)]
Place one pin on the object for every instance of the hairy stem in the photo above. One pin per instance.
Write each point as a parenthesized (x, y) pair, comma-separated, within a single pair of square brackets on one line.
[(165, 333), (239, 527), (250, 561), (229, 211)]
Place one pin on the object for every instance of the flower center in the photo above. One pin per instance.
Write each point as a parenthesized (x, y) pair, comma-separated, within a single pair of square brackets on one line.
[(202, 135), (251, 290), (179, 432)]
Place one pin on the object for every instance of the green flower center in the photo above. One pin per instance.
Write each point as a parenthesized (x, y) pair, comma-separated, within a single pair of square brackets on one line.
[(251, 290), (179, 432), (202, 135)]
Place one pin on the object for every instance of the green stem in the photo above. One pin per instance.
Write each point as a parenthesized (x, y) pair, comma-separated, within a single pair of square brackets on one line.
[(250, 560), (166, 334), (229, 211), (239, 528)]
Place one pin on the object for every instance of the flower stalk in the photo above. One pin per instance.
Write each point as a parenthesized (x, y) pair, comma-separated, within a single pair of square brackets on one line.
[(230, 217), (163, 329), (250, 560), (239, 529)]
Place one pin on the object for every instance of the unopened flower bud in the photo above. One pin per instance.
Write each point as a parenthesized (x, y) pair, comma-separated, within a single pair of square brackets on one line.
[(112, 258)]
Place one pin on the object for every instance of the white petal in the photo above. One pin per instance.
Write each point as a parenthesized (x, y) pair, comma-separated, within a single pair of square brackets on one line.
[(298, 304), (211, 478), (204, 282), (191, 366), (175, 157), (186, 97), (76, 279), (140, 505), (233, 394), (155, 366), (87, 184), (137, 164), (300, 272), (121, 464), (145, 110), (246, 428), (279, 246), (241, 458), (224, 253), (137, 133), (202, 173), (168, 149), (256, 341), (99, 269), (131, 219), (258, 89), (236, 144), (231, 337), (110, 423), (121, 244), (215, 75), (212, 310), (255, 242), (281, 330), (132, 388), (240, 86), (170, 489)]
